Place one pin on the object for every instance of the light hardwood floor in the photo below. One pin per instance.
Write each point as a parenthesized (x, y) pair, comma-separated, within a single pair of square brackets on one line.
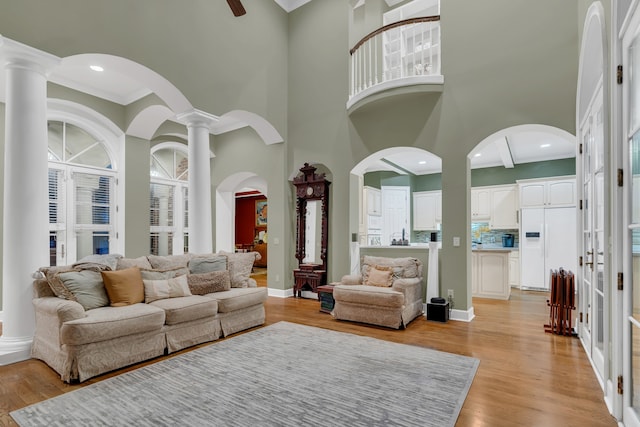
[(526, 377)]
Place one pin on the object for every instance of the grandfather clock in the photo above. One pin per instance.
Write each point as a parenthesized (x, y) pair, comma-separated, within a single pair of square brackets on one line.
[(310, 187)]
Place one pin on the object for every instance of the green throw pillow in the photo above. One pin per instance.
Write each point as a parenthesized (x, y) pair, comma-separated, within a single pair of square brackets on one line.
[(207, 264), (87, 287)]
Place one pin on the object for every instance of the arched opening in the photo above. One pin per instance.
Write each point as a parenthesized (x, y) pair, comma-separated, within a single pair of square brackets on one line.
[(84, 149), (399, 196), (511, 239), (242, 215)]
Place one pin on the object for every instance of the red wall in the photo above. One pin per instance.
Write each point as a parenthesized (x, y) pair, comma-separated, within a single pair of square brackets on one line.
[(246, 219)]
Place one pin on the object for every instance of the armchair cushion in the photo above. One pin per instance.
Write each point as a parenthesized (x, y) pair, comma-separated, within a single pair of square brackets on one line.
[(379, 276), (351, 279)]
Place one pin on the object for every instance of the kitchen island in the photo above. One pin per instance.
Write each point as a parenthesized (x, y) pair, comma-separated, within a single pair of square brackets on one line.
[(490, 272)]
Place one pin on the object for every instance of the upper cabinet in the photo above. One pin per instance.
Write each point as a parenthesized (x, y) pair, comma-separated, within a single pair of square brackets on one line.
[(504, 207), (372, 200), (480, 204), (427, 210), (497, 205), (548, 193)]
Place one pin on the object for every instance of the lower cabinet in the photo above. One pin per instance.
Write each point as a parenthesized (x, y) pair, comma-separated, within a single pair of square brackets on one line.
[(490, 274), (514, 269)]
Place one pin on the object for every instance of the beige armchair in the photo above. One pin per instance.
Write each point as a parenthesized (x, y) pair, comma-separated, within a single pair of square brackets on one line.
[(387, 293)]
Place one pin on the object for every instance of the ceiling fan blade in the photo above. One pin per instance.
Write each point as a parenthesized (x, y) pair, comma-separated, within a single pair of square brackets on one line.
[(236, 7)]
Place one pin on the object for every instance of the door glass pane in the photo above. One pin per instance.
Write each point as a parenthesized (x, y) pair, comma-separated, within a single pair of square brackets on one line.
[(635, 183), (161, 205), (91, 243), (636, 274), (55, 132), (599, 313), (634, 88), (162, 243), (635, 366), (76, 142)]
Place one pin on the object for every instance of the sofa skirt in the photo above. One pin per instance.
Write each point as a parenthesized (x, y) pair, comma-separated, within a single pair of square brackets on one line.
[(187, 334)]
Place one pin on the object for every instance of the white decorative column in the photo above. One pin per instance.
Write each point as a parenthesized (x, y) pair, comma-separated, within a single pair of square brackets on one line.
[(26, 209), (200, 219)]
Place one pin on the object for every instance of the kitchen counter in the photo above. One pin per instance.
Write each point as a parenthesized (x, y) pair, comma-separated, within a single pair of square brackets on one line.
[(493, 248)]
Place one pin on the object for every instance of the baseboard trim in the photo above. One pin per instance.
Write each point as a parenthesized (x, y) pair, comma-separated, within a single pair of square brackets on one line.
[(14, 350), (286, 293), (459, 315)]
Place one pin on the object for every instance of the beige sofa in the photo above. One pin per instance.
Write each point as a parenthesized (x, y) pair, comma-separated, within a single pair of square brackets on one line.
[(81, 343), (388, 292)]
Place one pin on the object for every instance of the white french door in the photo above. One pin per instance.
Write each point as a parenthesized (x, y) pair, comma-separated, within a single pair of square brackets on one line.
[(593, 329), (631, 294), (81, 213)]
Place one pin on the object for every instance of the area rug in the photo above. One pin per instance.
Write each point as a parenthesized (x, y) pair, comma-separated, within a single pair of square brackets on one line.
[(284, 374)]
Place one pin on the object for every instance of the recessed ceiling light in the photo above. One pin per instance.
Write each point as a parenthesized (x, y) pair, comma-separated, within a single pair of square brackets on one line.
[(422, 162), (96, 68), (477, 155), (545, 145)]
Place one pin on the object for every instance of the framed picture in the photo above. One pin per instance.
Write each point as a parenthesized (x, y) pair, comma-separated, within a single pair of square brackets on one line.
[(261, 213)]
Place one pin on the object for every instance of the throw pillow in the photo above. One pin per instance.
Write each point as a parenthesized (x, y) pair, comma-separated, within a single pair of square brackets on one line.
[(56, 285), (380, 276), (199, 264), (207, 283), (140, 262), (240, 266), (163, 274), (109, 260), (124, 287), (169, 261), (87, 288), (168, 288)]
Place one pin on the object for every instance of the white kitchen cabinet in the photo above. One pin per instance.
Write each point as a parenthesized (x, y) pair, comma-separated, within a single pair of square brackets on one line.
[(504, 207), (480, 203), (490, 275), (372, 199), (427, 210), (547, 193), (514, 269)]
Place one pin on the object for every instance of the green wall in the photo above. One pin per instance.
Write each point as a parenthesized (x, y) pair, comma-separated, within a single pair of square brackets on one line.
[(293, 70), (137, 181), (479, 177)]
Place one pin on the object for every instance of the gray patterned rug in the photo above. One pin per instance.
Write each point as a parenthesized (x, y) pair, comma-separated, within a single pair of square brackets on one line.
[(284, 374)]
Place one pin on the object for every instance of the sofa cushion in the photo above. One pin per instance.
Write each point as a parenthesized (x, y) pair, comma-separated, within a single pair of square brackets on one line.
[(140, 262), (207, 283), (402, 267), (185, 309), (368, 295), (105, 323), (87, 288), (124, 287), (238, 298), (240, 267), (168, 261), (55, 283), (166, 288), (206, 264), (380, 276), (108, 260), (153, 274)]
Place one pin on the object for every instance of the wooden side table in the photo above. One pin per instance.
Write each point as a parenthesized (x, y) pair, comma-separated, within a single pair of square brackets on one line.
[(307, 276), (325, 295)]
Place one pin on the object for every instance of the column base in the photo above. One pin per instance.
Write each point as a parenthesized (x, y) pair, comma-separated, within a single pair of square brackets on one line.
[(14, 350)]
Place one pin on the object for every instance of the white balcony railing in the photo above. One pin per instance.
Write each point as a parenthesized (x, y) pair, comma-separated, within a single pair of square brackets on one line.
[(405, 52)]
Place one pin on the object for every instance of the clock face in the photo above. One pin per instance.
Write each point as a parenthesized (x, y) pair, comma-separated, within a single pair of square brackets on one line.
[(309, 191)]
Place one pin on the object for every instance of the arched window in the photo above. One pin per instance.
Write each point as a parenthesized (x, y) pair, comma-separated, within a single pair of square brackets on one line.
[(81, 194), (168, 199)]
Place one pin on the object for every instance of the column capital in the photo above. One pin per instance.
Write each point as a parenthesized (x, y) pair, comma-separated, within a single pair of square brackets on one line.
[(197, 118), (18, 55)]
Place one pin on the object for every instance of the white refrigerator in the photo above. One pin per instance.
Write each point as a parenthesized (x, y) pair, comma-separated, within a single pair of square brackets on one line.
[(547, 242)]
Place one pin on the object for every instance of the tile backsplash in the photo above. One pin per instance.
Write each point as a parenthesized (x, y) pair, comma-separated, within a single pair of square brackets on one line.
[(481, 233)]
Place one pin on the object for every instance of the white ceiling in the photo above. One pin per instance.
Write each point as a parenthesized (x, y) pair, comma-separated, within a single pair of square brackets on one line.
[(517, 145)]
